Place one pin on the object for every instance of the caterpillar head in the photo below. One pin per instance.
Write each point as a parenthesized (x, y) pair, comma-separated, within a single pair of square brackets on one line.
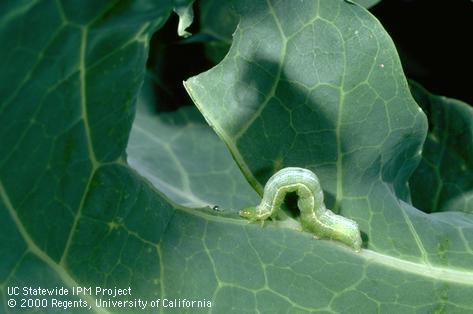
[(249, 213)]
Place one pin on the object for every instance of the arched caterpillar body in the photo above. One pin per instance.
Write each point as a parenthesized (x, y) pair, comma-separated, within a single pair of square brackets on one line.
[(315, 217)]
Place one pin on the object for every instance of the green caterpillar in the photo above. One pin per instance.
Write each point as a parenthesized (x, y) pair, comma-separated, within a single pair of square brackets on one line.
[(315, 217)]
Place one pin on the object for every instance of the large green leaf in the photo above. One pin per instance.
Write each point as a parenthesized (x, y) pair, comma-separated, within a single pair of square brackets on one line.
[(323, 80), (444, 179), (72, 212)]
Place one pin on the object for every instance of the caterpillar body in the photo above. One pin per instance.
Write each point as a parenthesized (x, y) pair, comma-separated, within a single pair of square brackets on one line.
[(315, 217)]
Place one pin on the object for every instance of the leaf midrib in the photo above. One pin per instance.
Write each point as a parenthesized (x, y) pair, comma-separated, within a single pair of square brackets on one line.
[(398, 264)]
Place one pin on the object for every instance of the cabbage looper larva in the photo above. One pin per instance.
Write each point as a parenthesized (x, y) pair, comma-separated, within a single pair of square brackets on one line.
[(315, 217)]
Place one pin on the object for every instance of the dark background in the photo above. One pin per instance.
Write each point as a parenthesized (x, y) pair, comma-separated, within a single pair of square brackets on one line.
[(433, 39)]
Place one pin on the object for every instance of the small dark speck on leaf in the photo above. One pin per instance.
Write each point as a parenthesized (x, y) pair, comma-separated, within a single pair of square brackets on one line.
[(217, 208)]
